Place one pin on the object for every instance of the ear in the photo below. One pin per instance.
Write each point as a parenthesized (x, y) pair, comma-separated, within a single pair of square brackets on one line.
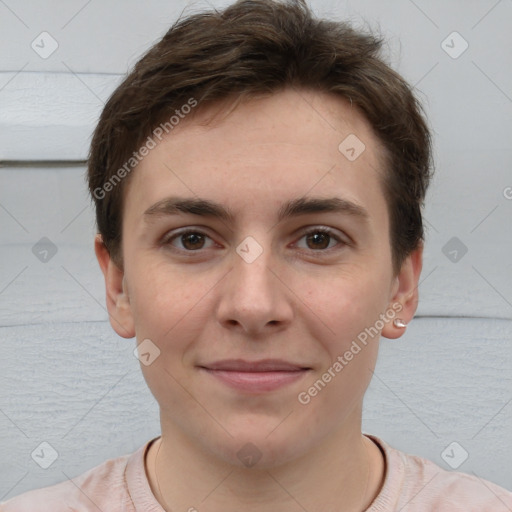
[(405, 293), (118, 300)]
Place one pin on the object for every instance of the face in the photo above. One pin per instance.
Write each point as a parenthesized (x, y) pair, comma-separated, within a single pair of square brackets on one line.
[(205, 289)]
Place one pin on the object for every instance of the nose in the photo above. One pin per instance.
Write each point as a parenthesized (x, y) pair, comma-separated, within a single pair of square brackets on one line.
[(255, 297)]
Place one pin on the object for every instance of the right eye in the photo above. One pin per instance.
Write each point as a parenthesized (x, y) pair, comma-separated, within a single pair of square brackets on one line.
[(191, 240)]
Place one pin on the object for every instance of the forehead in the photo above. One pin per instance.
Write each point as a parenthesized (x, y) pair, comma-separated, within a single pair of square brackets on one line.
[(275, 149)]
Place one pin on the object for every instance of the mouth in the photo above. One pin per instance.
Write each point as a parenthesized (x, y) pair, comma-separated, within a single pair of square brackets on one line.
[(255, 376)]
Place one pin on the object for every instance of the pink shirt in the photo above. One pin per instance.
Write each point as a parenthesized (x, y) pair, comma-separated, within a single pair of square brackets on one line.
[(412, 484)]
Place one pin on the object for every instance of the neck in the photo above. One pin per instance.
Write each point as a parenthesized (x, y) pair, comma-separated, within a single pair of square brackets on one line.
[(344, 473)]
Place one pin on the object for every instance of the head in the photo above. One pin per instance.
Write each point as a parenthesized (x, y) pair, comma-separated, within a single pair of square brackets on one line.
[(258, 107)]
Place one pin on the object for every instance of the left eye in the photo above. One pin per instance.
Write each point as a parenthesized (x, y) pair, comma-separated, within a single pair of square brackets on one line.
[(194, 240), (321, 237)]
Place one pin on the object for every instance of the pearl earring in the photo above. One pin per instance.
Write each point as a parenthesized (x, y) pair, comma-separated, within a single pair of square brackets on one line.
[(398, 322)]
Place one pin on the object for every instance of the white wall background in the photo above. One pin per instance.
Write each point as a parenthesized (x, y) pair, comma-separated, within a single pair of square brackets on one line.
[(66, 377)]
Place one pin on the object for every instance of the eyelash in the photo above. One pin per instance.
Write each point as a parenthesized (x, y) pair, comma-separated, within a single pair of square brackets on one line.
[(166, 241)]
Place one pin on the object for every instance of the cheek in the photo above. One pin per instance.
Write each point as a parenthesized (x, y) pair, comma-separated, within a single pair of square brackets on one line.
[(171, 310), (343, 306), (349, 345), (167, 310), (165, 300), (355, 309)]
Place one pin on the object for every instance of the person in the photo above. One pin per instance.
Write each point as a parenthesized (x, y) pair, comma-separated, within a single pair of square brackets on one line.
[(258, 180)]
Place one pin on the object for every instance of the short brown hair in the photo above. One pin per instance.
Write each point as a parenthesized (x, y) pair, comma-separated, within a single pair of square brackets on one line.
[(252, 48)]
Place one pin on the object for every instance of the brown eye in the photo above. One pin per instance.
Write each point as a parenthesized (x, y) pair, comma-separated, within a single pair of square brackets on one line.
[(191, 240), (320, 239)]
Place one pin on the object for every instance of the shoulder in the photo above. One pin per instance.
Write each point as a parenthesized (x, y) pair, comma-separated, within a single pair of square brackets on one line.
[(452, 491), (416, 484), (99, 488)]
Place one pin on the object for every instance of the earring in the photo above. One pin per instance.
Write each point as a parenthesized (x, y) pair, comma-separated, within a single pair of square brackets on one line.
[(398, 322)]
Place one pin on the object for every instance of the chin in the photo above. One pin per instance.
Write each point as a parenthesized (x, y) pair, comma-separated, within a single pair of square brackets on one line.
[(260, 447)]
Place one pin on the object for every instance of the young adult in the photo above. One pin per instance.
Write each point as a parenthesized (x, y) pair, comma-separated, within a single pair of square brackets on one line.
[(258, 181)]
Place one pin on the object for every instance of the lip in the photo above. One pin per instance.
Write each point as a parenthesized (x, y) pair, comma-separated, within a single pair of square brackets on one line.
[(263, 365), (255, 376)]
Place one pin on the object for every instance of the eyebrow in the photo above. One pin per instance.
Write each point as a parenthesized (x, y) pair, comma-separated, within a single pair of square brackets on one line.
[(301, 206)]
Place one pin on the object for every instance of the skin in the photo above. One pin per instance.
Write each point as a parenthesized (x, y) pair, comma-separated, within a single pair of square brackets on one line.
[(293, 302)]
